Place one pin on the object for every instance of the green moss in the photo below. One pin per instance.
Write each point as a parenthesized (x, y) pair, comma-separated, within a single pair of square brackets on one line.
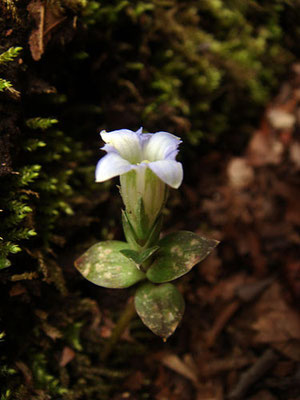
[(199, 64), (6, 57)]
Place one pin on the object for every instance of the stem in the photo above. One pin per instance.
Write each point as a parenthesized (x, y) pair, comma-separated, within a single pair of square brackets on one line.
[(126, 316)]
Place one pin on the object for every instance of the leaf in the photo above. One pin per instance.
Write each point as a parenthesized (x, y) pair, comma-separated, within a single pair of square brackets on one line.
[(173, 362), (160, 307), (269, 324), (4, 263), (36, 10), (104, 265), (129, 233), (46, 18), (177, 255), (137, 257)]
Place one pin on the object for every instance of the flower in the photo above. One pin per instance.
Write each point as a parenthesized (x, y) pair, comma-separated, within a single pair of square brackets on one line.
[(146, 163), (128, 150)]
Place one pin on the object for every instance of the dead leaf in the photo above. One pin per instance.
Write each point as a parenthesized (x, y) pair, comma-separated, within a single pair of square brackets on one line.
[(226, 289), (264, 149), (277, 321), (17, 289), (250, 291), (25, 371), (290, 349), (295, 154), (281, 119), (36, 11), (240, 173), (67, 356), (173, 362), (46, 19)]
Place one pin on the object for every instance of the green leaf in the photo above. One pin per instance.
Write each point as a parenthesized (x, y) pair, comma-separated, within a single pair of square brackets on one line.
[(4, 263), (177, 255), (104, 265), (129, 233), (137, 257), (9, 54), (160, 307)]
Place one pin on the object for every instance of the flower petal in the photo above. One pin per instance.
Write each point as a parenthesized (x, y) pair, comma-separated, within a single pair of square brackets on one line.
[(109, 149), (111, 165), (169, 171), (126, 142), (161, 146)]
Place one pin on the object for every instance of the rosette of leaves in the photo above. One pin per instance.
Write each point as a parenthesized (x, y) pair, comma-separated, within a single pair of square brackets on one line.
[(117, 264)]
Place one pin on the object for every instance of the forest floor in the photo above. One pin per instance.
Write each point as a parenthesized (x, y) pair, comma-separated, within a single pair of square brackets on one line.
[(240, 336)]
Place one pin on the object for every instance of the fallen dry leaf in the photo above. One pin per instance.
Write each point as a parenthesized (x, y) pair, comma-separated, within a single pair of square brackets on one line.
[(67, 355), (173, 362), (277, 321), (281, 119), (264, 149), (295, 154), (36, 10), (290, 349), (240, 173), (46, 18)]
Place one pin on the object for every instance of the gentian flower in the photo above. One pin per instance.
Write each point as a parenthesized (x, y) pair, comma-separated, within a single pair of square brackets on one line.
[(146, 164)]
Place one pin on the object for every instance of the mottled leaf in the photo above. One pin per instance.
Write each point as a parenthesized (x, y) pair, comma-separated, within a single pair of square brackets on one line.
[(104, 265), (177, 255), (160, 307)]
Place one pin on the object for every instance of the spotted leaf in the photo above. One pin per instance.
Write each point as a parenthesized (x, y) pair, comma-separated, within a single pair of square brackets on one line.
[(177, 255), (160, 307), (104, 265)]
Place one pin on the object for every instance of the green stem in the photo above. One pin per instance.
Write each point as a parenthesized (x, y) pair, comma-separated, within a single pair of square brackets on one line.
[(122, 324)]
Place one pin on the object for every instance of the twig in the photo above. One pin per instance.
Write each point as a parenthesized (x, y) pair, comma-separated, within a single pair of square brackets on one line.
[(253, 374), (221, 321)]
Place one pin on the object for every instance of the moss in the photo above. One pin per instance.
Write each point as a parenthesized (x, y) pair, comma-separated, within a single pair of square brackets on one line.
[(185, 61)]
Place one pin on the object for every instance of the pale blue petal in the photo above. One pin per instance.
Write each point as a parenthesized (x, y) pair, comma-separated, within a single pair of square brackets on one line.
[(111, 165), (169, 171), (126, 142), (109, 149), (144, 138), (161, 146), (139, 131)]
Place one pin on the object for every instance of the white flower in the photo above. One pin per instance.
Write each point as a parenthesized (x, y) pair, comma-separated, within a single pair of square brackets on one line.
[(145, 163), (128, 150)]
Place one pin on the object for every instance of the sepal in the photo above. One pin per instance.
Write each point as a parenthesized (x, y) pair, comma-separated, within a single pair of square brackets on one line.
[(154, 232), (142, 221), (129, 233), (139, 258), (136, 227)]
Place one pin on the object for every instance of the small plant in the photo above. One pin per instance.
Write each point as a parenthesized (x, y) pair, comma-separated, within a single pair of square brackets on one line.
[(147, 166), (6, 57)]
